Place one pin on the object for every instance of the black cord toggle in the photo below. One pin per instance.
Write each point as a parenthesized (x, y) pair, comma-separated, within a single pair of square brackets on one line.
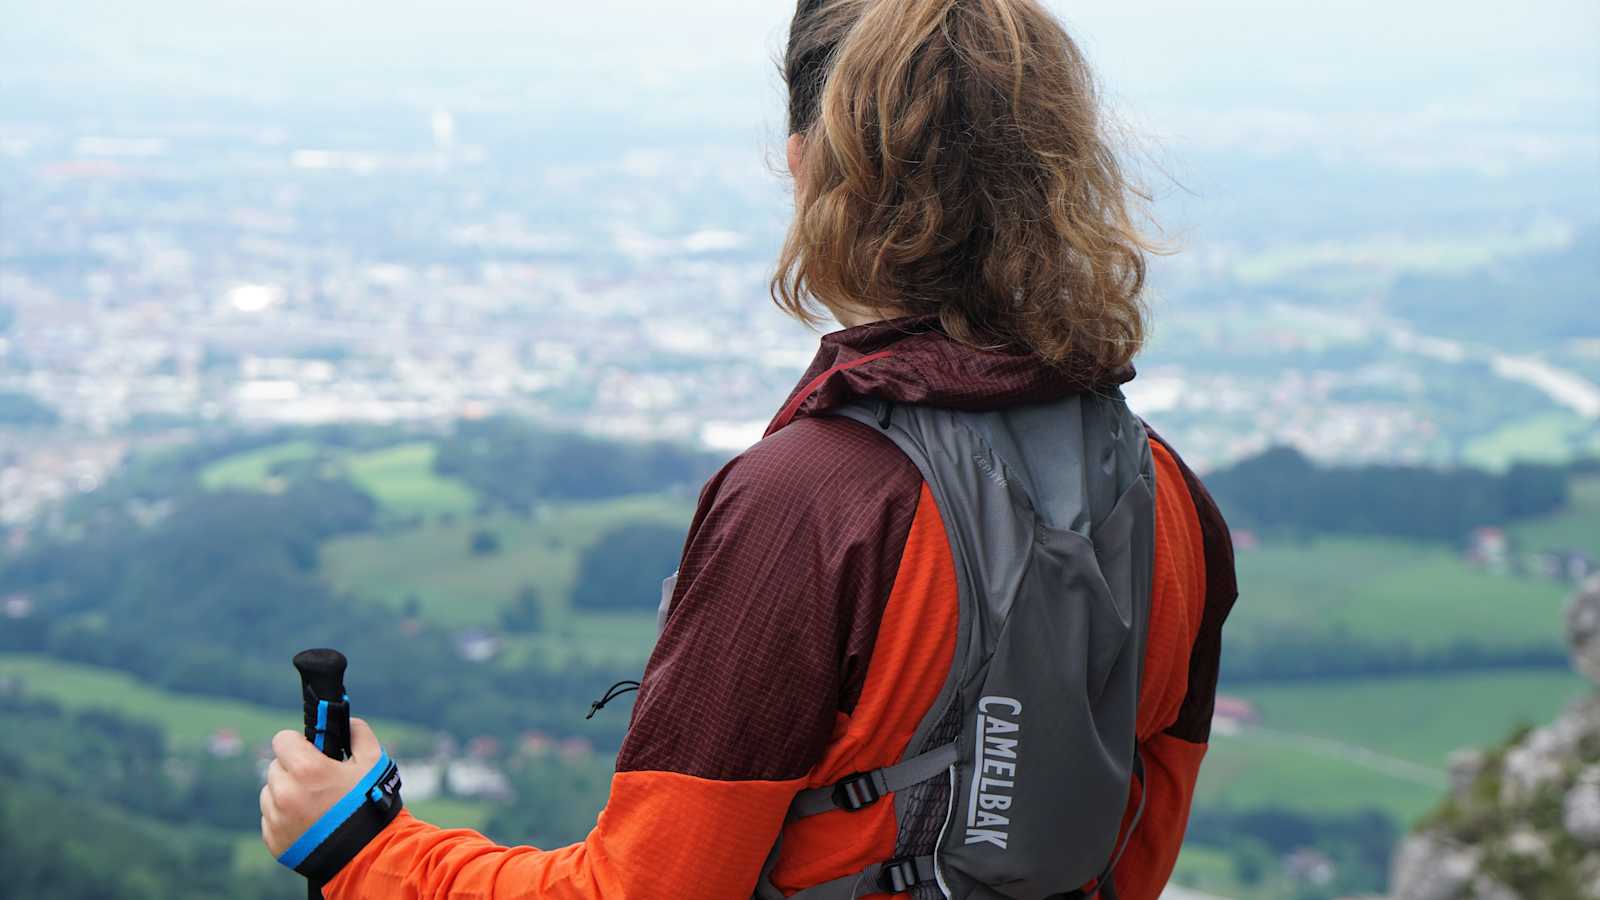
[(612, 693)]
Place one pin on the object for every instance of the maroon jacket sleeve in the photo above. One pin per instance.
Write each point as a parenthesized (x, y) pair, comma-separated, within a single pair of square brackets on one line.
[(788, 567)]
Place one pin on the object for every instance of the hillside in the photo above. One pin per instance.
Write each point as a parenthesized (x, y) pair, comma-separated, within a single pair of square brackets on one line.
[(1522, 820), (485, 603), (1497, 299)]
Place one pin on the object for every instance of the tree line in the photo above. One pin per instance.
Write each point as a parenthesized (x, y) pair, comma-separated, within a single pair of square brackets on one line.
[(1296, 653), (94, 807), (517, 465), (1360, 844), (216, 598), (1282, 491), (1537, 300)]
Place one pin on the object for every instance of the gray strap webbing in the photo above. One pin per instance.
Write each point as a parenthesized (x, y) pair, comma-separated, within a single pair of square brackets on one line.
[(870, 881), (765, 889), (898, 777), (1108, 887)]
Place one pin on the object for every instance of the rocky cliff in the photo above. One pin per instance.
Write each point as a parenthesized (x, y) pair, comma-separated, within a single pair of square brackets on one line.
[(1523, 819)]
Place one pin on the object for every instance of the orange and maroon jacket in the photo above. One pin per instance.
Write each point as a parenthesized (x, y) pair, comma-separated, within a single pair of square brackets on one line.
[(812, 626)]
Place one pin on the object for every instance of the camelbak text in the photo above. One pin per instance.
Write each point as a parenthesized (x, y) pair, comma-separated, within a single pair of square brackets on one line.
[(994, 771)]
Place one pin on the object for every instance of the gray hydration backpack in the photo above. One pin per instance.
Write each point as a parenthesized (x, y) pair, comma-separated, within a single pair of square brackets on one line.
[(1016, 782)]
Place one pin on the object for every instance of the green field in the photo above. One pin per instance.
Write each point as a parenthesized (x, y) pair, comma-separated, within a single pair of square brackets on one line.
[(430, 561), (1577, 528), (1258, 769), (1346, 745), (1554, 437), (450, 813), (1212, 871), (252, 470), (435, 563), (1387, 592), (187, 719), (1421, 719), (1383, 255), (594, 638), (400, 478)]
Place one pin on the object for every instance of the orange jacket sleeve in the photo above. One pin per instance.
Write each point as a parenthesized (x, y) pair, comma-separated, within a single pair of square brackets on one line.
[(662, 836)]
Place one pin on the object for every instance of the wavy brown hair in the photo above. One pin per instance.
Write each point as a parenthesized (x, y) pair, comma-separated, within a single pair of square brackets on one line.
[(957, 163)]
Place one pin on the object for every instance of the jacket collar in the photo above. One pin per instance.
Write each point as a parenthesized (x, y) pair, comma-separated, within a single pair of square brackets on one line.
[(912, 360)]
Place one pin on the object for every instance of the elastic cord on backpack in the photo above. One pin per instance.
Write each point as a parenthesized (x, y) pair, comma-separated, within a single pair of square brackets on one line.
[(612, 693)]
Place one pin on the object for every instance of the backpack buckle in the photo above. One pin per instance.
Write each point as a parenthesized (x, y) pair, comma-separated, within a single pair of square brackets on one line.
[(900, 875), (858, 792)]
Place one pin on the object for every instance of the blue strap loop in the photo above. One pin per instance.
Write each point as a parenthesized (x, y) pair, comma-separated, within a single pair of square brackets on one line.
[(322, 725)]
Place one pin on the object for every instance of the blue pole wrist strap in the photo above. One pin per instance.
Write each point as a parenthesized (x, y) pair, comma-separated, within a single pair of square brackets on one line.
[(352, 823)]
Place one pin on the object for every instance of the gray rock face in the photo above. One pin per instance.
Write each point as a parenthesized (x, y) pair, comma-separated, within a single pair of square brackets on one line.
[(1431, 867), (1589, 879), (1465, 766), (1583, 630), (1530, 845), (1540, 759), (1486, 888), (1580, 811)]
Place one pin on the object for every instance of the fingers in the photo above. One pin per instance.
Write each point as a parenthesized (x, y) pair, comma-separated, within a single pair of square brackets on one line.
[(270, 816), (295, 752), (278, 788), (277, 779), (364, 746)]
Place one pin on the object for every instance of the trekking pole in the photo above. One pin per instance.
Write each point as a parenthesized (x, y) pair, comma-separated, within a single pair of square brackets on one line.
[(327, 709)]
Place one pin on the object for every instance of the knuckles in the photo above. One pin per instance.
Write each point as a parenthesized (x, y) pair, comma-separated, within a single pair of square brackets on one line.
[(302, 784)]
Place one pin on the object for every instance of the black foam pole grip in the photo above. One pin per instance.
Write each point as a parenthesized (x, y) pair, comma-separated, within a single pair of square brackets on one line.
[(322, 682), (327, 726)]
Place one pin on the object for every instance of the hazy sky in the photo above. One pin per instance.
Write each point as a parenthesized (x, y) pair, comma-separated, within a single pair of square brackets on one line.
[(1147, 48), (1409, 83), (1305, 109)]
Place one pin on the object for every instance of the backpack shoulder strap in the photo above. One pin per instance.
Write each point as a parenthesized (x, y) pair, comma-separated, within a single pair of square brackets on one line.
[(861, 790), (893, 877)]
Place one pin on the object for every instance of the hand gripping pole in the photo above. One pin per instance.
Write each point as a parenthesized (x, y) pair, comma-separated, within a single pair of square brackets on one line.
[(327, 711), (333, 840)]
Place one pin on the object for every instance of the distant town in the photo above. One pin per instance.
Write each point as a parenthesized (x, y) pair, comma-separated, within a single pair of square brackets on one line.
[(201, 274)]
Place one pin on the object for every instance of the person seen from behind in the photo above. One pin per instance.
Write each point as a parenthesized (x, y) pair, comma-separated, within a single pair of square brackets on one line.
[(952, 628)]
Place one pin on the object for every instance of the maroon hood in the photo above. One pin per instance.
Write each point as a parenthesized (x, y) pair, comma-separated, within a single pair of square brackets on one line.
[(912, 361)]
